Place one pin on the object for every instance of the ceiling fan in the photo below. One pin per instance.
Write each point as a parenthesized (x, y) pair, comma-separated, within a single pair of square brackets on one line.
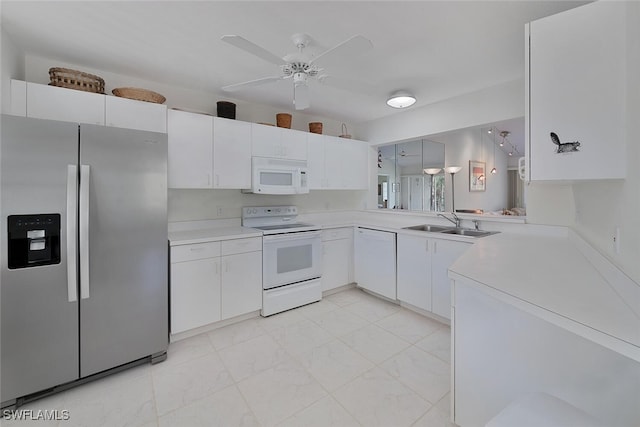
[(404, 154), (300, 66)]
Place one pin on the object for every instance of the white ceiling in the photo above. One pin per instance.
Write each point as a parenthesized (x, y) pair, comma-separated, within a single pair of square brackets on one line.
[(434, 49)]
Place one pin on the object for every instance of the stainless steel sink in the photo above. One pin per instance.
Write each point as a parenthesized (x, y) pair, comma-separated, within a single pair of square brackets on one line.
[(429, 227), (450, 230), (466, 232)]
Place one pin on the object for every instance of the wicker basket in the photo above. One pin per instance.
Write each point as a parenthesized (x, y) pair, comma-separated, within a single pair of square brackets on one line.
[(139, 94), (345, 133), (283, 120), (74, 79), (315, 127)]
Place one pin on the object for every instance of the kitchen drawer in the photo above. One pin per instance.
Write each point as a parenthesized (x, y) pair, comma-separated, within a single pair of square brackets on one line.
[(239, 246), (196, 251), (337, 233)]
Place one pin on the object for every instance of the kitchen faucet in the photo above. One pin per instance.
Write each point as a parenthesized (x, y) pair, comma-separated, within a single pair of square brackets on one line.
[(455, 221)]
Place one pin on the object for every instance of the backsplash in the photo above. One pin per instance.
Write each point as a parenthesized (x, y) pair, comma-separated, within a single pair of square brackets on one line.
[(194, 205)]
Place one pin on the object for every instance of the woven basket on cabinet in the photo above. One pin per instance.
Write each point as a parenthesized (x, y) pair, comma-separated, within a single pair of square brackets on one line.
[(139, 94), (74, 79)]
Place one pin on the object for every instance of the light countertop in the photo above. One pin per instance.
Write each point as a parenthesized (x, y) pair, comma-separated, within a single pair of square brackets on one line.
[(549, 276), (186, 237)]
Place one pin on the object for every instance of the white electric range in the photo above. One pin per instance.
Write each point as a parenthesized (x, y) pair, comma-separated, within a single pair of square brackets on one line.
[(291, 257)]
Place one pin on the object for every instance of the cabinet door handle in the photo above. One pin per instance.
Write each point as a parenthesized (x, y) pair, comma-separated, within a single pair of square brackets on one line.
[(435, 247)]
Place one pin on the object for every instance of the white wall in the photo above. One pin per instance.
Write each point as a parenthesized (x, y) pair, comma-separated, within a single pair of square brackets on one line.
[(603, 206), (460, 148), (192, 205), (12, 67), (203, 204), (493, 104), (37, 71)]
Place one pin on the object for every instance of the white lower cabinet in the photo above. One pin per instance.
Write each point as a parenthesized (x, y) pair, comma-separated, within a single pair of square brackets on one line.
[(337, 250), (414, 270), (214, 281), (375, 261), (445, 252), (241, 284), (195, 285), (423, 265), (195, 294)]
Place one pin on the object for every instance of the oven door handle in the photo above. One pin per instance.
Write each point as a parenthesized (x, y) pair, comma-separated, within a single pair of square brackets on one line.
[(302, 235)]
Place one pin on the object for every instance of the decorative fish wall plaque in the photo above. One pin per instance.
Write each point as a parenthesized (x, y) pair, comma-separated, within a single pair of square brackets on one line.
[(564, 147)]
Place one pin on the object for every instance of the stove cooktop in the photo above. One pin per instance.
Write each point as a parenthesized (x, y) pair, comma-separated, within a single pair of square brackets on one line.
[(282, 226)]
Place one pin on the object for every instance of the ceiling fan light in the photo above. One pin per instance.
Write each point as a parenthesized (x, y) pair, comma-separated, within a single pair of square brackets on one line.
[(494, 170), (401, 99)]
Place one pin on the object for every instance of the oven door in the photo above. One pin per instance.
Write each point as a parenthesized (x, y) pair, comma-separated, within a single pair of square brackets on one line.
[(291, 258)]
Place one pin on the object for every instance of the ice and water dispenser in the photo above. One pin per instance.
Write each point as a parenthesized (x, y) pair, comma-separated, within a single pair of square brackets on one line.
[(33, 240)]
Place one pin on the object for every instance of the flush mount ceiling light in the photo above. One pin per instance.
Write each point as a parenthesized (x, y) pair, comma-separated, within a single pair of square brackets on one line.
[(401, 99)]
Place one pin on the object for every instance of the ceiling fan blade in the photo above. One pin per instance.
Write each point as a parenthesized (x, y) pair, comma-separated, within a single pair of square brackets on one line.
[(246, 45), (250, 83), (301, 96), (356, 45)]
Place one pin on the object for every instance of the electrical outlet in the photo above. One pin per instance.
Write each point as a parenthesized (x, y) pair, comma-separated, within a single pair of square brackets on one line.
[(219, 211)]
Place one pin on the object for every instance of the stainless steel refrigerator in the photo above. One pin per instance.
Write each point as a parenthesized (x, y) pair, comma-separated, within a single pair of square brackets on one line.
[(84, 254)]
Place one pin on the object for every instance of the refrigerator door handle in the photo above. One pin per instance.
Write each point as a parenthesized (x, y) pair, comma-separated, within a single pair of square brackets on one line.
[(85, 174), (72, 236)]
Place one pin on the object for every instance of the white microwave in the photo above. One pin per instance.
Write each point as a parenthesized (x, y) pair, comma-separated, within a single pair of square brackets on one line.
[(278, 176)]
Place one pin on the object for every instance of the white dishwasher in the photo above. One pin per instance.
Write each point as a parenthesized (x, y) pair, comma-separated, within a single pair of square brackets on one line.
[(375, 261)]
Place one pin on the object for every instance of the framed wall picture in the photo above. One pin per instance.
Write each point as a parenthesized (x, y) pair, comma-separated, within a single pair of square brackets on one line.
[(477, 176)]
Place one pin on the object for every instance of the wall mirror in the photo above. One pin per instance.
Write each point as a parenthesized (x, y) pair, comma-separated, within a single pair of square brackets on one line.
[(404, 182), (411, 177)]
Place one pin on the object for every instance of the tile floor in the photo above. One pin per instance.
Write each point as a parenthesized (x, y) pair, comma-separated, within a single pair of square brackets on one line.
[(348, 360)]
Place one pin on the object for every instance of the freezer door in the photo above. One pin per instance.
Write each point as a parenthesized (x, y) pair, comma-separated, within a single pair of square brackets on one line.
[(123, 246), (39, 308)]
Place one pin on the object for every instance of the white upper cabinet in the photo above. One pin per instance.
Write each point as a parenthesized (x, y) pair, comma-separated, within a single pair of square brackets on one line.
[(190, 139), (272, 141), (231, 153), (337, 163), (316, 162), (66, 105), (69, 105), (575, 77), (18, 104), (355, 165), (132, 114), (208, 152)]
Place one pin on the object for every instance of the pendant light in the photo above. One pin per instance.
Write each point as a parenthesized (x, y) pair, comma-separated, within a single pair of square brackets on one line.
[(494, 170)]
